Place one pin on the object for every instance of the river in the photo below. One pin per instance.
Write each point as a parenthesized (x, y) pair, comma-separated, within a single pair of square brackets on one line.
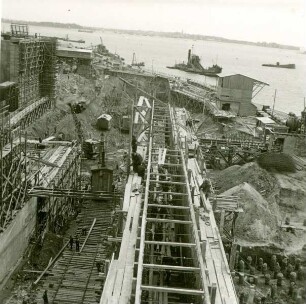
[(160, 52)]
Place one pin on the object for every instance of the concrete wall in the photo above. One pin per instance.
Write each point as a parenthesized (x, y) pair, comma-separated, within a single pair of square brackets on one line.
[(15, 238), (5, 61)]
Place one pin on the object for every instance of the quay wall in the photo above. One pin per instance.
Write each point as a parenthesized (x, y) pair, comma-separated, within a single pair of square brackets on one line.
[(15, 238)]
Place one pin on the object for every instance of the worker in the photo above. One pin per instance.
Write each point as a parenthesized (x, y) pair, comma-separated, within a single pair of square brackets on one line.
[(77, 244), (71, 242), (134, 144), (167, 276), (84, 230), (206, 187), (141, 171), (136, 161), (45, 297), (98, 264)]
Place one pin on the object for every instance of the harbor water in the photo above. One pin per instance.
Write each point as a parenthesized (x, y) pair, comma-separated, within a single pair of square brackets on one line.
[(160, 52)]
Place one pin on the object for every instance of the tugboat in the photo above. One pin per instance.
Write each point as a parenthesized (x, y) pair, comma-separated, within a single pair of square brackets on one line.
[(194, 66), (277, 65)]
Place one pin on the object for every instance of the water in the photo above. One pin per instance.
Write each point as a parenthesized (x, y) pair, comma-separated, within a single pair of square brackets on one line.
[(160, 52)]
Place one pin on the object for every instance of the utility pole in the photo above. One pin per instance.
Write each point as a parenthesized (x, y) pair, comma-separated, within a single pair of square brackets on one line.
[(273, 103)]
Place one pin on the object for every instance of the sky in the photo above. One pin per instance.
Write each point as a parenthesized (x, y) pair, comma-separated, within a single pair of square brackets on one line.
[(281, 21)]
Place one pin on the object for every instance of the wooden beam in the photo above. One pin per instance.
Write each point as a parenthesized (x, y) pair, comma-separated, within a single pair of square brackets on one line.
[(171, 267), (150, 219), (194, 292), (176, 244), (172, 193), (88, 234), (167, 182), (169, 206), (50, 264)]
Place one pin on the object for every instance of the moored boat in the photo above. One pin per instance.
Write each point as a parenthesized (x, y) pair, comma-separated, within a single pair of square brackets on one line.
[(194, 66), (277, 65)]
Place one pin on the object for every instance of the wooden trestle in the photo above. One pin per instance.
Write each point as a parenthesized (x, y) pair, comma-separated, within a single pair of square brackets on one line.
[(171, 250)]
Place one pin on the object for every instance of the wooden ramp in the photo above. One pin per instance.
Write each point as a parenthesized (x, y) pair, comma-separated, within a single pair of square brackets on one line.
[(118, 284), (215, 259)]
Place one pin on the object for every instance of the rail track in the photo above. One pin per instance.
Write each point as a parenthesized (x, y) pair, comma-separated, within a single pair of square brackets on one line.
[(75, 278)]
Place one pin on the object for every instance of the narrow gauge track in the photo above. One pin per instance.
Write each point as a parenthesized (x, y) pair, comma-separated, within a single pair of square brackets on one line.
[(75, 278)]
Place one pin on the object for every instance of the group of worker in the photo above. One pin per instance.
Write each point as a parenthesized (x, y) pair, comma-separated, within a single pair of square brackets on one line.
[(76, 241)]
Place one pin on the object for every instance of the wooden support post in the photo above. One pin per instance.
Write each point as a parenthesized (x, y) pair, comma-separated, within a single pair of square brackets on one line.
[(197, 216), (106, 267), (203, 249), (233, 257), (213, 293), (222, 222)]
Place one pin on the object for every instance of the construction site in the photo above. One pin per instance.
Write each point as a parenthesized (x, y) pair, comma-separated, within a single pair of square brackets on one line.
[(126, 187)]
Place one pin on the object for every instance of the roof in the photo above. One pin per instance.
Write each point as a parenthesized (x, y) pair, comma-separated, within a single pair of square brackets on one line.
[(7, 84), (105, 116), (255, 80), (266, 120)]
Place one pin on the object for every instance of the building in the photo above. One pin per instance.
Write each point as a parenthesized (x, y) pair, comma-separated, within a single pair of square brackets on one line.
[(28, 65), (235, 94)]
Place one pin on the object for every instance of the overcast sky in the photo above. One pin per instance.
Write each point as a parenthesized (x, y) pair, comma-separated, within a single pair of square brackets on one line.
[(281, 21)]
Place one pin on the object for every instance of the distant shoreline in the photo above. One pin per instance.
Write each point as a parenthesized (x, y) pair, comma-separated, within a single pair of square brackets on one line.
[(154, 34)]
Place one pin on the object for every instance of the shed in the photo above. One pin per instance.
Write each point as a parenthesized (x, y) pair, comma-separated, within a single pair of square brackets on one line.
[(235, 94), (101, 179), (104, 122)]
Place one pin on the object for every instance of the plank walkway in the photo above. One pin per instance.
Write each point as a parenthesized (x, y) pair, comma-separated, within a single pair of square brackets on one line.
[(75, 278)]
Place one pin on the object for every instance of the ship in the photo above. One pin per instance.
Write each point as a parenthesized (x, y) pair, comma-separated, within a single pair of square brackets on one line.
[(86, 31), (194, 66), (135, 63), (277, 65)]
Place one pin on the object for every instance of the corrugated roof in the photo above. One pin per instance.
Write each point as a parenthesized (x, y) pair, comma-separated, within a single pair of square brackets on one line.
[(255, 80)]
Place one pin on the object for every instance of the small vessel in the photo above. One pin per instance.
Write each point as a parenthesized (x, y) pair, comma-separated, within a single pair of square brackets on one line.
[(277, 65), (70, 40), (86, 31), (194, 66), (135, 63)]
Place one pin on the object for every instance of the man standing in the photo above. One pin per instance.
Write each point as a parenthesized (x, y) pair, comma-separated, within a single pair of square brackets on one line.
[(71, 242), (45, 297), (77, 244)]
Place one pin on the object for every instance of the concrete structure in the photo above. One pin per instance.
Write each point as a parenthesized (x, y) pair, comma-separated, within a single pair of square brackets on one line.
[(235, 93), (30, 63), (15, 239), (81, 57)]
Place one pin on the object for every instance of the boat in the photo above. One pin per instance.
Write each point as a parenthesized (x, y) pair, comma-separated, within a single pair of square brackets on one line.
[(194, 66), (277, 65), (86, 31), (71, 40), (135, 63)]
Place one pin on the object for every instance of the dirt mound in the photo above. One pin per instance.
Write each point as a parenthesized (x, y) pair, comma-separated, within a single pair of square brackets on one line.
[(258, 222), (280, 162), (250, 173)]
